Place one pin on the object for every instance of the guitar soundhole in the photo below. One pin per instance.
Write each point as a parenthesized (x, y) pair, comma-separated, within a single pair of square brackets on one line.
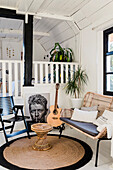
[(55, 112), (55, 117)]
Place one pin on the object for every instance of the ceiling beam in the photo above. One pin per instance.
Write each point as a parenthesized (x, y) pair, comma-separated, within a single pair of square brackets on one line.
[(40, 15), (53, 16), (20, 32), (11, 38), (7, 7), (28, 13), (41, 33)]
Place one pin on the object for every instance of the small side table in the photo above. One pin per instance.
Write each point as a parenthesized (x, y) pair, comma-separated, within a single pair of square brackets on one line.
[(41, 129)]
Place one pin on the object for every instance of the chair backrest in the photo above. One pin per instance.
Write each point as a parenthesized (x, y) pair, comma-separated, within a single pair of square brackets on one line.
[(102, 101), (7, 104)]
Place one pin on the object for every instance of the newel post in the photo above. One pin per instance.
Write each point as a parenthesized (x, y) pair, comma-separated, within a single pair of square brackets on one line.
[(28, 50)]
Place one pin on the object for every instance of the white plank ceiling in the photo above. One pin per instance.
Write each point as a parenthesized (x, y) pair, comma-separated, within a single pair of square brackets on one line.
[(60, 19)]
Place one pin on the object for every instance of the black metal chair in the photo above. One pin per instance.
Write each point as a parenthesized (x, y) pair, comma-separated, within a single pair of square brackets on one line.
[(7, 108)]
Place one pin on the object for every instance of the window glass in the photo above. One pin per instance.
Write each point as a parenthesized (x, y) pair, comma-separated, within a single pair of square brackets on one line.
[(110, 42), (109, 63), (109, 82)]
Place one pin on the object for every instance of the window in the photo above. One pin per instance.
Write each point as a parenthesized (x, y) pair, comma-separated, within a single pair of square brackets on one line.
[(108, 61)]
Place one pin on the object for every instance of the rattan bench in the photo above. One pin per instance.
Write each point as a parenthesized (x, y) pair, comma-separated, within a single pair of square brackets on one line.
[(89, 129)]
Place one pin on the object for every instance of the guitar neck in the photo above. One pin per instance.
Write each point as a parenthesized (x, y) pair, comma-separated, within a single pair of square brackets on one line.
[(56, 98)]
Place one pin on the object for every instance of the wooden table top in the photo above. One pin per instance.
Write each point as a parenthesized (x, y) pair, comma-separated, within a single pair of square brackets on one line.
[(41, 127)]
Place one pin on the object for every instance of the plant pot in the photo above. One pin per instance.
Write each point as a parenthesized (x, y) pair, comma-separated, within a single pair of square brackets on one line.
[(76, 102)]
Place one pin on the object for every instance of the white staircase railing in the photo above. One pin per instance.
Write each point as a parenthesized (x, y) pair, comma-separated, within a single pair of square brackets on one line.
[(53, 72), (11, 74), (11, 77)]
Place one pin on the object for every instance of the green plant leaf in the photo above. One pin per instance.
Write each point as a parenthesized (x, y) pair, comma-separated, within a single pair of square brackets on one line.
[(75, 85)]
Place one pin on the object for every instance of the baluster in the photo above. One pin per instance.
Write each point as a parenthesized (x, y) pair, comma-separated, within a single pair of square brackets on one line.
[(36, 74), (51, 73), (67, 73), (76, 66), (21, 76), (10, 79), (71, 71), (16, 79), (62, 75), (57, 73), (41, 73), (4, 78), (46, 73)]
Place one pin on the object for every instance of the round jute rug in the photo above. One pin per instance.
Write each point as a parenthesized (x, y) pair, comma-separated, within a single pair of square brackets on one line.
[(66, 153)]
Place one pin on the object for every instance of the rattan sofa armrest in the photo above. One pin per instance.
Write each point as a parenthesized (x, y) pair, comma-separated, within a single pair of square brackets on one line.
[(102, 134)]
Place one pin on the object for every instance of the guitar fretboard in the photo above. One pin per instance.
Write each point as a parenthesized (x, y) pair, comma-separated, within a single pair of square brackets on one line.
[(56, 96)]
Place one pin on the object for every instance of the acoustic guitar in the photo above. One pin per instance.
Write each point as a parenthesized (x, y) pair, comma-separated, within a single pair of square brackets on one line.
[(54, 116)]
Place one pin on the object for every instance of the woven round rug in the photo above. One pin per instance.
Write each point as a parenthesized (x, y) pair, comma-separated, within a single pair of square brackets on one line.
[(66, 153)]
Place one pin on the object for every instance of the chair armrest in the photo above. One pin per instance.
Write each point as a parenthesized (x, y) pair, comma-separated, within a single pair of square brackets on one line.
[(27, 117), (7, 121), (18, 107)]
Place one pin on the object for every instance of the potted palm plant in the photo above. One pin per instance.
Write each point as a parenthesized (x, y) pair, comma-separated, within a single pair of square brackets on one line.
[(75, 86)]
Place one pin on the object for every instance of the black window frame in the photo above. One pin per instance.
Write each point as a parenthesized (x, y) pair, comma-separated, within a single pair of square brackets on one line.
[(106, 53)]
